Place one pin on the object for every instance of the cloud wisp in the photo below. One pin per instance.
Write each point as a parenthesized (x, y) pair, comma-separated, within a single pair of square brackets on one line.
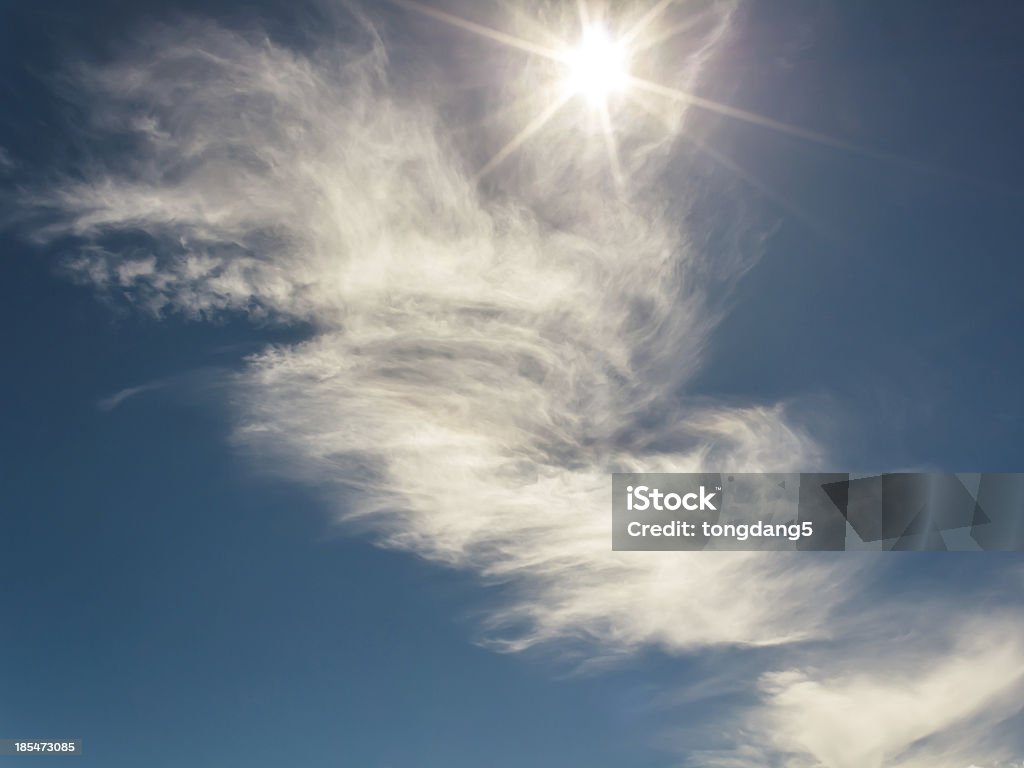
[(110, 402), (480, 360), (922, 695)]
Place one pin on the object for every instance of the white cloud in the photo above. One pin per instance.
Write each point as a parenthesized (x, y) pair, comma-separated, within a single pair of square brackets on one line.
[(921, 693), (476, 372), (874, 715), (111, 402)]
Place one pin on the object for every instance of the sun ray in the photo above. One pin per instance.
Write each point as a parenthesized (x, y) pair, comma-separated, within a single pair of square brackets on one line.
[(484, 31), (795, 131), (743, 115), (536, 28), (612, 147), (531, 128), (652, 13), (638, 99), (584, 12), (642, 100), (795, 209), (646, 43)]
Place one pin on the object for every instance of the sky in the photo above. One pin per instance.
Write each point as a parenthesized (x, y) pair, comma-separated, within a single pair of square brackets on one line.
[(326, 324)]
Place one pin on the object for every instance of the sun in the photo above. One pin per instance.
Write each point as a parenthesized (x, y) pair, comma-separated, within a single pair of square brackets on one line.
[(597, 67)]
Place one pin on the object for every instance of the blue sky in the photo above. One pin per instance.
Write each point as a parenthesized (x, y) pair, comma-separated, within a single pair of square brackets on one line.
[(353, 513)]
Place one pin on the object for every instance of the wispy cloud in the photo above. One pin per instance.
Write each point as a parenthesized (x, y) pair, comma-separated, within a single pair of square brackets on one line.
[(481, 360), (906, 706), (111, 402)]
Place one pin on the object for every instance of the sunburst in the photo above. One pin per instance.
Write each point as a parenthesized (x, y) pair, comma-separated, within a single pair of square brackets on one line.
[(596, 69)]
